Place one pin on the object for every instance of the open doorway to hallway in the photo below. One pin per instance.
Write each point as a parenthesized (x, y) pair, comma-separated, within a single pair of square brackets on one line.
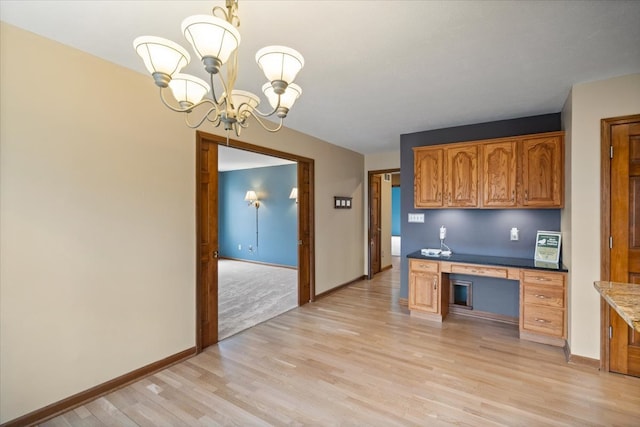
[(257, 232), (384, 220)]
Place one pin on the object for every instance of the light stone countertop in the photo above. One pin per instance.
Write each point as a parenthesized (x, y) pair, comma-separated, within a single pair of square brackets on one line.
[(624, 298)]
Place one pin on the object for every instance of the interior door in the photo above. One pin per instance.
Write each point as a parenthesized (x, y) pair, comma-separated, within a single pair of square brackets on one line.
[(207, 223), (624, 343), (375, 223)]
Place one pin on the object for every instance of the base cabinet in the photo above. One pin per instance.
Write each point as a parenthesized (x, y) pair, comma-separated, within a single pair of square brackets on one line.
[(426, 290), (543, 295), (543, 308)]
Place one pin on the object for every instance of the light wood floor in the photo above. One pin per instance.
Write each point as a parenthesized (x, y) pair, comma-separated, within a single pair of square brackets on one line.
[(357, 358)]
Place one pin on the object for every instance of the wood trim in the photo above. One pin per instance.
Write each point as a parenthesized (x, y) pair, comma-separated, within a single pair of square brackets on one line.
[(403, 301), (344, 285), (605, 225), (78, 399), (573, 359), (388, 267), (453, 309), (306, 213)]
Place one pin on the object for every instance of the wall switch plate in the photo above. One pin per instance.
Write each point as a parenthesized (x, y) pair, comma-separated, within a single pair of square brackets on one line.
[(416, 217), (514, 234)]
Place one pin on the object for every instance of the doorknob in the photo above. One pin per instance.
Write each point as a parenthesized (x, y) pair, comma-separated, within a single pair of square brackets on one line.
[(214, 254)]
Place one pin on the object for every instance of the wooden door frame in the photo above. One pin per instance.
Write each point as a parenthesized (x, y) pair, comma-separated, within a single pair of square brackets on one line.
[(605, 226), (307, 205), (370, 175)]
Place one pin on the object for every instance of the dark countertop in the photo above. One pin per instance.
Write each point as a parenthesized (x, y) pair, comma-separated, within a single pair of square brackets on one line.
[(494, 260), (624, 298)]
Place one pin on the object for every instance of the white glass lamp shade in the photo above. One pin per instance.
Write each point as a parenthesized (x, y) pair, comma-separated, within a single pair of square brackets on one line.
[(161, 55), (294, 193), (251, 196), (187, 89), (287, 99), (280, 63), (211, 36), (244, 102)]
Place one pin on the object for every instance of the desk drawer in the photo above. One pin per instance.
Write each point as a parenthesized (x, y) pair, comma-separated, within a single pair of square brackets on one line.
[(428, 266), (541, 277), (550, 296), (480, 270), (545, 320)]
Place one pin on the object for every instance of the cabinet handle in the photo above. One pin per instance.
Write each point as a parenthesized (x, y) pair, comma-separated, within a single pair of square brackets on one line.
[(542, 320), (435, 283), (541, 279), (438, 196), (541, 296), (526, 195), (513, 195)]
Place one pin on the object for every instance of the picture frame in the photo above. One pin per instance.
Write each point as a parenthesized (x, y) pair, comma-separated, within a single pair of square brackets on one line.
[(548, 244)]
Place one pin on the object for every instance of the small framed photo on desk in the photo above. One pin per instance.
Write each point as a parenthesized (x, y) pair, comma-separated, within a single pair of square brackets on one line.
[(548, 246)]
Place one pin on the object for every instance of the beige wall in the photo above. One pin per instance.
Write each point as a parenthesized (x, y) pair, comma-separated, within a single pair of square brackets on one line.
[(97, 221), (374, 162), (588, 103)]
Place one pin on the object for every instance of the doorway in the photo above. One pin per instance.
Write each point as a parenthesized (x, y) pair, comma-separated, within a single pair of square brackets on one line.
[(620, 238), (207, 230), (380, 254)]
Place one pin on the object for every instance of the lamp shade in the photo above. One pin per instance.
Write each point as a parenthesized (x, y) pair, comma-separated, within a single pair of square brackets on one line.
[(211, 36), (280, 63), (287, 99), (251, 196), (161, 55), (187, 89), (244, 102), (294, 193)]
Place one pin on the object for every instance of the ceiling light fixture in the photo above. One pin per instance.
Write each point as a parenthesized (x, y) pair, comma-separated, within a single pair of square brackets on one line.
[(215, 41)]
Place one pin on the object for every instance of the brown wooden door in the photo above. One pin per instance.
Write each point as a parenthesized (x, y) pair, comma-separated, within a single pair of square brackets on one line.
[(207, 223), (499, 163), (462, 176), (624, 344), (305, 226), (374, 223), (428, 172), (542, 167)]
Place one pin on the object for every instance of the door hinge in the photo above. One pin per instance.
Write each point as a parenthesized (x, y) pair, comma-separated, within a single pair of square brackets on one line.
[(611, 151), (610, 242), (610, 331)]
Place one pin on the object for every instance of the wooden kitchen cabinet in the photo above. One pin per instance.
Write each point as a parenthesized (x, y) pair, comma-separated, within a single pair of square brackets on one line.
[(462, 176), (426, 290), (428, 177), (516, 172), (542, 171), (499, 168), (543, 307)]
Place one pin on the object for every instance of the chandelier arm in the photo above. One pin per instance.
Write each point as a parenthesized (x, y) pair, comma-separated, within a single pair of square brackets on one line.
[(265, 126), (188, 109), (205, 117), (266, 114)]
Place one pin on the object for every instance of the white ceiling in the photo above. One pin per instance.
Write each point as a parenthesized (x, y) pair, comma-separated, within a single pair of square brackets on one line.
[(378, 69)]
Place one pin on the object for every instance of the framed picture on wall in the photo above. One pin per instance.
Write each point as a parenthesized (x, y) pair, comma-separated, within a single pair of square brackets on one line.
[(548, 246)]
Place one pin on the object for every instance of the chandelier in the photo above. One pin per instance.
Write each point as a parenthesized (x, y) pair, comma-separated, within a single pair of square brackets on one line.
[(215, 41)]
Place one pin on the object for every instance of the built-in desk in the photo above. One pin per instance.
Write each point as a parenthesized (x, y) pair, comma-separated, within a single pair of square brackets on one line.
[(543, 294)]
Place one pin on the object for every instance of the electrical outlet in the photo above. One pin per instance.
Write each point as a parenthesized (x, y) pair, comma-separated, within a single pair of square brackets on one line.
[(239, 247), (443, 232), (514, 234)]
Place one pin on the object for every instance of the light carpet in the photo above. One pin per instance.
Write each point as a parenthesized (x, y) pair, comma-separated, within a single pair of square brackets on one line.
[(250, 293)]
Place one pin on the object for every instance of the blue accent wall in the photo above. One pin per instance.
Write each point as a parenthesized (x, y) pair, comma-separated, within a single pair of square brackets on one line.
[(474, 231), (395, 211), (277, 215)]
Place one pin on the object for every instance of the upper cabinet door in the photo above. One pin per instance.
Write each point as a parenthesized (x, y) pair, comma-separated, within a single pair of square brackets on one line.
[(462, 176), (542, 171), (499, 164), (428, 177)]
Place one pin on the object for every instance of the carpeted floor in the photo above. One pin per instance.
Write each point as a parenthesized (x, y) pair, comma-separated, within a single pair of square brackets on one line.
[(250, 293)]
